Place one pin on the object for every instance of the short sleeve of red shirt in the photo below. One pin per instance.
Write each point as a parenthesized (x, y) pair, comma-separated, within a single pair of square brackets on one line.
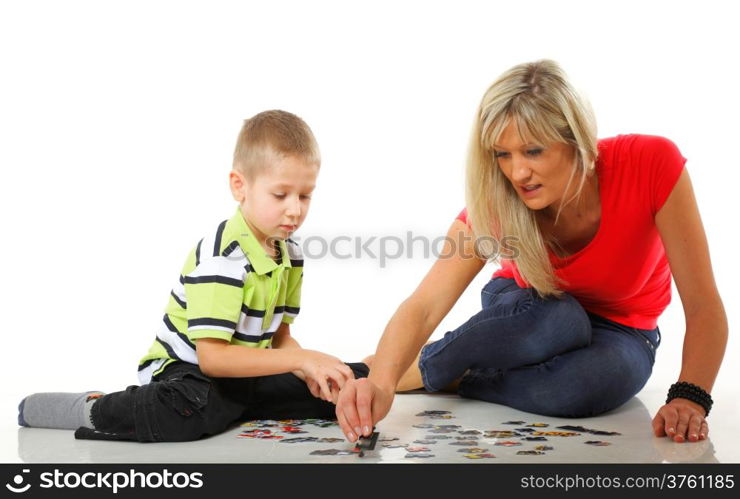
[(665, 164), (623, 273)]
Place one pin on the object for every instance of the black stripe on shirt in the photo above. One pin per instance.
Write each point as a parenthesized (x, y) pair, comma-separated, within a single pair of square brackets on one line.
[(230, 248), (253, 339), (173, 329), (204, 279), (146, 364), (251, 312), (210, 321), (219, 235), (197, 253), (168, 349), (178, 300), (296, 263), (292, 310)]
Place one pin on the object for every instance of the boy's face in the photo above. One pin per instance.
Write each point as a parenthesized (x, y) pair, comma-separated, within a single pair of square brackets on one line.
[(275, 203)]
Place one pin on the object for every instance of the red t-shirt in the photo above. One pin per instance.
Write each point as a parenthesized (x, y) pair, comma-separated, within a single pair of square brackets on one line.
[(623, 273)]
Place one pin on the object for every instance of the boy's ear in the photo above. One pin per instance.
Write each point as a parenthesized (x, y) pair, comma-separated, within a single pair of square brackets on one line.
[(237, 183)]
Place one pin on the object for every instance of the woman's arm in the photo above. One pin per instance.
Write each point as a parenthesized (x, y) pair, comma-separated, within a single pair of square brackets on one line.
[(364, 402), (685, 242)]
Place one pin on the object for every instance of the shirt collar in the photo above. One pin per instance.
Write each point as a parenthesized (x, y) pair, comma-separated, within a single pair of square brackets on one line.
[(260, 261)]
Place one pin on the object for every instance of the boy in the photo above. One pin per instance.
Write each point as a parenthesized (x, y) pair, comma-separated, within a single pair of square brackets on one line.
[(224, 351)]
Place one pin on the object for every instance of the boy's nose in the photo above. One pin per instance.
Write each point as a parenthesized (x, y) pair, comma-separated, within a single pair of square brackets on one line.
[(294, 208)]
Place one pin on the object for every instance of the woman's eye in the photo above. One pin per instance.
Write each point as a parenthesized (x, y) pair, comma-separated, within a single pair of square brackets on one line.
[(500, 154), (534, 152)]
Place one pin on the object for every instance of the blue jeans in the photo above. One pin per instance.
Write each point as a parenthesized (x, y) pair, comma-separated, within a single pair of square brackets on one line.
[(547, 357)]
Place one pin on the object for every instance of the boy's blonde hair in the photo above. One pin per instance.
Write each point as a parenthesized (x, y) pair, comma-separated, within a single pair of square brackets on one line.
[(272, 134), (538, 98)]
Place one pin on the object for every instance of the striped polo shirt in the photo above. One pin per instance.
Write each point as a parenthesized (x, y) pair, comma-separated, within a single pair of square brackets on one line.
[(230, 289)]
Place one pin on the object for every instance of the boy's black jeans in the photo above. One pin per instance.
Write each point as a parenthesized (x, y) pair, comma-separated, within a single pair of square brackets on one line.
[(182, 404)]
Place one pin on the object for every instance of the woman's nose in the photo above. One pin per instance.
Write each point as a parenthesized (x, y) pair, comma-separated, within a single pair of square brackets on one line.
[(520, 171)]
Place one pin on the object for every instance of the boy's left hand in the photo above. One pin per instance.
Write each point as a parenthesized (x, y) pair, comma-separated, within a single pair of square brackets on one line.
[(315, 389)]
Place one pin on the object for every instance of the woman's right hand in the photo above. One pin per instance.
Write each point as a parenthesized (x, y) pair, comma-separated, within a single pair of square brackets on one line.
[(360, 406)]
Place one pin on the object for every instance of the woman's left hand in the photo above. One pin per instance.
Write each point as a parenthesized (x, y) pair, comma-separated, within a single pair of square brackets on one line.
[(681, 420)]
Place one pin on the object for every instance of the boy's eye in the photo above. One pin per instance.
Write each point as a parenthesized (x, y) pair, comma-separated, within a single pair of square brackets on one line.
[(279, 196), (305, 196)]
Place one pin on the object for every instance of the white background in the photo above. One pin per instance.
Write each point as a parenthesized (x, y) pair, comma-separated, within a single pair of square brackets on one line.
[(118, 121)]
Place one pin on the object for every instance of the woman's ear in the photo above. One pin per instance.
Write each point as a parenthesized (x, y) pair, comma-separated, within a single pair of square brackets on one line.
[(237, 182)]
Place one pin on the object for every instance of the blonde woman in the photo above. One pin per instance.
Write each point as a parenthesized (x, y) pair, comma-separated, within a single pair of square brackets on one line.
[(590, 232)]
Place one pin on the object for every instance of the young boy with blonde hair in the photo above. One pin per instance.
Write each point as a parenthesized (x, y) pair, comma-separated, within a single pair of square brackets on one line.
[(224, 350)]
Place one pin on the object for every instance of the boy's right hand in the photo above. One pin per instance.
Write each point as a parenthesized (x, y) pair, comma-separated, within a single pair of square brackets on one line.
[(361, 404), (324, 374)]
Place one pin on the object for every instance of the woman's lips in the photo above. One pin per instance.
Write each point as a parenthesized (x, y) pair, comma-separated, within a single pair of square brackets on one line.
[(532, 192)]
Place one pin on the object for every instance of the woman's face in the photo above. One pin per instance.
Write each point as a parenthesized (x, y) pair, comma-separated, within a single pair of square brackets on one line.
[(529, 164)]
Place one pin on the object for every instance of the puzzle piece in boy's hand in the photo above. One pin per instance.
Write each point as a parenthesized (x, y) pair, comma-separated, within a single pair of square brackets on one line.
[(508, 443), (530, 453), (598, 443)]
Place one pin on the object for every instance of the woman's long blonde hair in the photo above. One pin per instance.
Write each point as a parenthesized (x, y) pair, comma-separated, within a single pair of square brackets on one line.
[(539, 99)]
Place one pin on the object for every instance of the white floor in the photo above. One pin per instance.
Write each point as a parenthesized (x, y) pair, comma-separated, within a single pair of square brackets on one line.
[(635, 444)]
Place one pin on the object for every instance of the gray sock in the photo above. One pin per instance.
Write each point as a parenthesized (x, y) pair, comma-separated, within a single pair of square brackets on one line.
[(66, 411)]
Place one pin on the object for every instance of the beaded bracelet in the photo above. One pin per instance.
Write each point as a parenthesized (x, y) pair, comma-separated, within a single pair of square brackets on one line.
[(689, 391)]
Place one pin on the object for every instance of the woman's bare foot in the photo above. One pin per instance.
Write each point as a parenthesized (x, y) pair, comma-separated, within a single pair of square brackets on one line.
[(368, 361), (411, 379)]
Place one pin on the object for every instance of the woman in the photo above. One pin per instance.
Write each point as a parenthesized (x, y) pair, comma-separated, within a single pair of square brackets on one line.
[(591, 232)]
